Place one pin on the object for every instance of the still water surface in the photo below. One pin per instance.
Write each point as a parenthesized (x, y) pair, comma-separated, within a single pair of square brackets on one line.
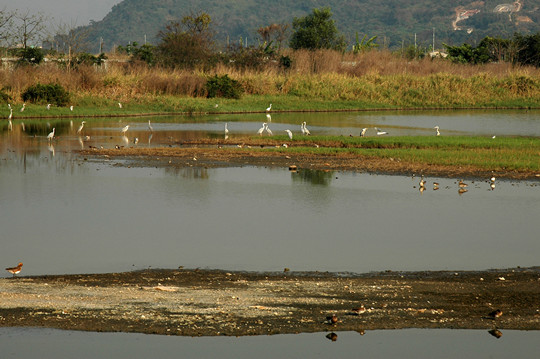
[(409, 343), (62, 214)]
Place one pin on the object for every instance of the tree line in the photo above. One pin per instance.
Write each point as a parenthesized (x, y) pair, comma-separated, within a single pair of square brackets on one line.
[(189, 43)]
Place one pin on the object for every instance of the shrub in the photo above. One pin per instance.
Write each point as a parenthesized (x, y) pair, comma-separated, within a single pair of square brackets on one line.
[(4, 97), (223, 86), (30, 56), (50, 93)]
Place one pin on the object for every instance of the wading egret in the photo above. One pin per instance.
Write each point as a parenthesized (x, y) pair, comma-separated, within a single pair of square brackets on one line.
[(10, 113), (306, 131), (71, 108), (363, 133), (23, 107), (150, 127), (289, 133), (81, 127), (124, 130), (15, 270), (268, 130), (380, 132), (269, 108), (438, 132), (50, 136), (226, 129), (48, 106), (261, 129), (10, 125), (119, 105)]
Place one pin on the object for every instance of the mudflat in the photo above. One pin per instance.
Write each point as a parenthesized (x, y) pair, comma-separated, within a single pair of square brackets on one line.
[(213, 302)]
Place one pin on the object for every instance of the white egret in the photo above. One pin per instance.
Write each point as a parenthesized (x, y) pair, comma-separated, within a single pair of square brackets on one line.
[(380, 132), (306, 131), (289, 133), (71, 108), (119, 105), (150, 127), (9, 106), (226, 129), (10, 113), (216, 105), (261, 129), (48, 106), (269, 108), (23, 107), (50, 136), (124, 130), (363, 133), (81, 127), (268, 130), (136, 140), (438, 132), (302, 129)]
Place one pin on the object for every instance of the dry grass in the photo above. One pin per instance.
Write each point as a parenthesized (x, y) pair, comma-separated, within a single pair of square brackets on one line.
[(378, 76)]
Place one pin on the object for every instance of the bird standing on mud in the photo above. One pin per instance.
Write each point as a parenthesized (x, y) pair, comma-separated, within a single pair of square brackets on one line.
[(305, 131), (363, 133), (261, 129), (438, 132), (15, 270), (289, 133), (124, 130)]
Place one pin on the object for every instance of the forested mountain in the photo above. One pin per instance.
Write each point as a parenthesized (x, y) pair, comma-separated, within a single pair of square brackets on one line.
[(395, 22)]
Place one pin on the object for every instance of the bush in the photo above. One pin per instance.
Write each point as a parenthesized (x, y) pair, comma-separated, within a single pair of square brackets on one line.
[(223, 86), (51, 93), (4, 97), (30, 56)]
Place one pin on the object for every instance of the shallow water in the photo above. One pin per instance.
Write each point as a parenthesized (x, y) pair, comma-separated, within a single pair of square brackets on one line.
[(409, 343), (62, 214)]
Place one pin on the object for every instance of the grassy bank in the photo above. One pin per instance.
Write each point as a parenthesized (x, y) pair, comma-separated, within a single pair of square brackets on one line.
[(321, 81)]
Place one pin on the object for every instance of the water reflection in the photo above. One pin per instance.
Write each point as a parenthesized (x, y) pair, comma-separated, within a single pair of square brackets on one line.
[(315, 177), (406, 343)]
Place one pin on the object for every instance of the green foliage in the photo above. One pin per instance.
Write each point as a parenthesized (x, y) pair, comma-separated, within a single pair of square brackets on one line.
[(30, 56), (50, 93), (364, 45), (223, 86), (186, 44), (466, 54), (145, 53), (285, 62), (528, 49), (85, 58), (316, 31)]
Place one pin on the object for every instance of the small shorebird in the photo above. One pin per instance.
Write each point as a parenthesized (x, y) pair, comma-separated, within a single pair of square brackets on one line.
[(124, 130), (289, 133), (422, 182), (358, 310), (15, 270), (462, 184), (435, 186), (492, 179), (496, 314), (363, 133), (331, 319), (438, 132), (380, 132)]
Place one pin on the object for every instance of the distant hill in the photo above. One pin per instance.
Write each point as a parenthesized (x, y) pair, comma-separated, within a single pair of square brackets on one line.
[(395, 22)]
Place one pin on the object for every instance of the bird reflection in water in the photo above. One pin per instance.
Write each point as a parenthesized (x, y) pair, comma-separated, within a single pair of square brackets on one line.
[(332, 336), (496, 333)]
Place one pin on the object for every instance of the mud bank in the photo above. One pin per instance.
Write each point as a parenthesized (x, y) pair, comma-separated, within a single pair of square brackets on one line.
[(212, 302)]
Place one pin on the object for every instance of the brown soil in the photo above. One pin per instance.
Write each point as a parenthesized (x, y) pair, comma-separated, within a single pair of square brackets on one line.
[(209, 302), (219, 153)]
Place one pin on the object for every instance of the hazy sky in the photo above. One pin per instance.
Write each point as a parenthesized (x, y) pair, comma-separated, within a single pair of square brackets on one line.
[(79, 12)]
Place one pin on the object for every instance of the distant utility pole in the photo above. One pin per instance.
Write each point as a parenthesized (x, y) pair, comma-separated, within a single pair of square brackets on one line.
[(415, 40), (145, 39), (433, 39)]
